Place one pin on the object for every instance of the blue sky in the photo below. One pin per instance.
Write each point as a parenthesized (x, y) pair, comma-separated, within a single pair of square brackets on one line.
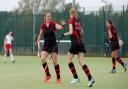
[(8, 5)]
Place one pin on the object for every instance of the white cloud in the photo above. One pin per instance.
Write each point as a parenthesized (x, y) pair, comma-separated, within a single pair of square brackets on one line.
[(96, 4), (8, 5)]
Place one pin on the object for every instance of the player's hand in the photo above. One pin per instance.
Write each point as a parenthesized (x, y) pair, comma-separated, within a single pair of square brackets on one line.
[(36, 43), (62, 22)]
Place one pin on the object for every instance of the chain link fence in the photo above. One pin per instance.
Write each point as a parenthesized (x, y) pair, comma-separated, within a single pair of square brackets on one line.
[(26, 27)]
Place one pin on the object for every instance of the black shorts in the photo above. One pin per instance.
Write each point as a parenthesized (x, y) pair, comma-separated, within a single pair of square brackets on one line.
[(77, 48), (114, 45), (50, 48)]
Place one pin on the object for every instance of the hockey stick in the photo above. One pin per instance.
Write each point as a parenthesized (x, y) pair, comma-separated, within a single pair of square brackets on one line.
[(53, 51)]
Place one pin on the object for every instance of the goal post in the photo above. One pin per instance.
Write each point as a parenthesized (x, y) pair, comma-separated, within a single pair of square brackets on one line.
[(63, 46)]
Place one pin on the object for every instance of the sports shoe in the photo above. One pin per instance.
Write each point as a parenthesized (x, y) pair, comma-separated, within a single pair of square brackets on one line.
[(125, 67), (13, 61), (113, 71), (74, 81), (58, 81), (5, 61), (91, 82), (46, 79)]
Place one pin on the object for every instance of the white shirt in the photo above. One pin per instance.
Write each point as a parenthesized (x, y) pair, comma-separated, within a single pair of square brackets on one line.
[(9, 39)]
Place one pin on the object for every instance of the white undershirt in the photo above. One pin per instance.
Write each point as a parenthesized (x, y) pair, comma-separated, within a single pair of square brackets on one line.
[(9, 39)]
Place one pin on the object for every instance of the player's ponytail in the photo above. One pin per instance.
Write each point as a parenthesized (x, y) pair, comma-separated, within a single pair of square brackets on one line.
[(45, 17), (112, 26), (110, 22)]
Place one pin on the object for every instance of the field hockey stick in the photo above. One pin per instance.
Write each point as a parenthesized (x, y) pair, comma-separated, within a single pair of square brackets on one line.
[(53, 51), (63, 24)]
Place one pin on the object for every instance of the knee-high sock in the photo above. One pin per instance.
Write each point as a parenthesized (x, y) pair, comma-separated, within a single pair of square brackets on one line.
[(57, 70), (12, 58), (87, 72), (5, 56), (120, 61), (73, 70), (45, 66), (113, 63)]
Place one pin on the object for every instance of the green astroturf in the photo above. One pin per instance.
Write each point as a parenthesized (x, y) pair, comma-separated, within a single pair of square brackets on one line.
[(27, 73)]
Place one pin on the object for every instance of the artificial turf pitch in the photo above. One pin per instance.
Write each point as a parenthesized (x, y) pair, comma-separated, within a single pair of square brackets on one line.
[(27, 73)]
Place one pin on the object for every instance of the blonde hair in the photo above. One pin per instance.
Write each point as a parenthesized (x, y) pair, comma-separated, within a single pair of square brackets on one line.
[(73, 12), (46, 15)]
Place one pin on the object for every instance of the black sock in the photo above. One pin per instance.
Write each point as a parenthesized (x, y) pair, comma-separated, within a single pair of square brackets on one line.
[(57, 69), (120, 61), (45, 66), (87, 72), (113, 63), (73, 70)]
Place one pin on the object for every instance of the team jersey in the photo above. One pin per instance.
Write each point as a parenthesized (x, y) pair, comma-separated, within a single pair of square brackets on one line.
[(114, 34), (75, 37), (49, 33), (9, 39)]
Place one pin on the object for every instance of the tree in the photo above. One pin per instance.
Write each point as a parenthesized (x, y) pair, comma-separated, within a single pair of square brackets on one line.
[(38, 6), (108, 10), (127, 9)]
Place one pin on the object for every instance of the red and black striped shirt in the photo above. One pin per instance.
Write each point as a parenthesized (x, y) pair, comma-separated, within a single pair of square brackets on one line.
[(114, 33), (49, 33), (75, 37)]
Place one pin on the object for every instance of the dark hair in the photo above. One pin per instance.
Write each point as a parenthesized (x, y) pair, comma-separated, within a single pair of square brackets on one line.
[(109, 21), (112, 27)]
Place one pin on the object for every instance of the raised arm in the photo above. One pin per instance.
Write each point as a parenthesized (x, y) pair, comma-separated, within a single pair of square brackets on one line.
[(59, 27)]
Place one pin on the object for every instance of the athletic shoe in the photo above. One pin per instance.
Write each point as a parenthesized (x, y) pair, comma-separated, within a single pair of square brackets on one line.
[(13, 61), (46, 79), (5, 61), (74, 81), (125, 67), (91, 82), (58, 81), (113, 71)]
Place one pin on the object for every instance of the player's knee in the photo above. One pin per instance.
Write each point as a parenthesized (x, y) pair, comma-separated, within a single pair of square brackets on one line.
[(80, 63), (69, 60), (43, 59), (55, 62)]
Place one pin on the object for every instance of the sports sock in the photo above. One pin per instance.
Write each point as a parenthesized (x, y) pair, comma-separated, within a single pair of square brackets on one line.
[(57, 70), (120, 61), (8, 54), (87, 72), (12, 58), (113, 63), (5, 56), (45, 66), (73, 70)]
